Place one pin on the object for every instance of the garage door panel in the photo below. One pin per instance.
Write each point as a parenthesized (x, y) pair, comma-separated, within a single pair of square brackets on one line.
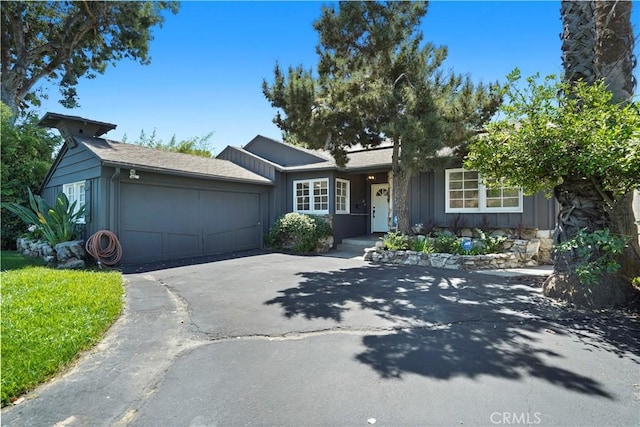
[(160, 223), (225, 211), (165, 209), (183, 244), (217, 243), (141, 245), (248, 237)]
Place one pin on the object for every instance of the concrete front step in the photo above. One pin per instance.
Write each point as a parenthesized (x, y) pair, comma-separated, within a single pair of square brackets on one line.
[(358, 244), (352, 248)]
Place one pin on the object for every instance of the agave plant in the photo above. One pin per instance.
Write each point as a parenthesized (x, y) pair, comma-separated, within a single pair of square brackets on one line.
[(58, 223)]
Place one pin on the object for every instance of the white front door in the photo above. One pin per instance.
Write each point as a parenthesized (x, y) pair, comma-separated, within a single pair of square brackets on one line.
[(379, 208)]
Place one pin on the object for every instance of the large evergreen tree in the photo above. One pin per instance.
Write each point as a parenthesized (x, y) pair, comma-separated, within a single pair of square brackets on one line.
[(62, 41), (376, 79)]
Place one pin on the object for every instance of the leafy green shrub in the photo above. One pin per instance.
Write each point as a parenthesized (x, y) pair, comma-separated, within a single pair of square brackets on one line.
[(297, 232), (491, 245), (443, 243), (395, 240), (25, 157), (447, 244), (56, 223), (595, 253)]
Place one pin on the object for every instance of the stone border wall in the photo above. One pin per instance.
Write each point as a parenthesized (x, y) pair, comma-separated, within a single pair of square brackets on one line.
[(65, 255), (521, 253)]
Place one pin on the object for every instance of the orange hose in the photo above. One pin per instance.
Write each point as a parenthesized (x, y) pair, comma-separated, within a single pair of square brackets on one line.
[(109, 254)]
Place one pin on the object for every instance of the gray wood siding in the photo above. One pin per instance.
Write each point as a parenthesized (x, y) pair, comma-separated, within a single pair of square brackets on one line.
[(76, 164), (280, 153), (249, 162), (345, 226), (427, 205)]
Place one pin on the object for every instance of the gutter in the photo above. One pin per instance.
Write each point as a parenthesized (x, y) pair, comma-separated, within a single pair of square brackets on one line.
[(174, 172)]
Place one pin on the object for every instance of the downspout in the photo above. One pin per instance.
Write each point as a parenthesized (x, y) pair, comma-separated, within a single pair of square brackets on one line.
[(112, 201)]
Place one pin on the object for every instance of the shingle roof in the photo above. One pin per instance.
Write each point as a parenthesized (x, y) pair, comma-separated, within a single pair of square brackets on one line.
[(367, 159), (143, 158)]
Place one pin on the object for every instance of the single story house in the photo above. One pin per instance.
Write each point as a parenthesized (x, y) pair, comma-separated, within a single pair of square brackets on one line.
[(165, 205)]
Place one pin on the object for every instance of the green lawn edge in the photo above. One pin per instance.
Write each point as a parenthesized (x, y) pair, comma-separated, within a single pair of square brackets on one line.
[(48, 317)]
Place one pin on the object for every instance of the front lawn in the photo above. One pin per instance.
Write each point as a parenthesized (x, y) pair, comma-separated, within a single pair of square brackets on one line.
[(12, 260), (48, 317)]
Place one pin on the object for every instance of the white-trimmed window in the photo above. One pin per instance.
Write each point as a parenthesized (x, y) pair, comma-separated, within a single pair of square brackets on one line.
[(466, 192), (75, 193), (311, 196), (343, 189)]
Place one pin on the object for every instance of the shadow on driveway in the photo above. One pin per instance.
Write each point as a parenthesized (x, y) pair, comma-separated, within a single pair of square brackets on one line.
[(452, 324)]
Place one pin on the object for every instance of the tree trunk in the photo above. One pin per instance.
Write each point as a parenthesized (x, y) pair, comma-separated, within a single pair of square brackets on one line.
[(582, 207), (623, 223), (9, 99), (401, 180), (614, 58), (597, 42), (614, 62), (578, 39)]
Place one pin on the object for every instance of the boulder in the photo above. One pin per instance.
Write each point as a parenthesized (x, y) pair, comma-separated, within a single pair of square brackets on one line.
[(68, 250), (324, 244), (71, 264)]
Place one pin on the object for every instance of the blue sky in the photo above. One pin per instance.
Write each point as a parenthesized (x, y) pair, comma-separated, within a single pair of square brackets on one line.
[(209, 60)]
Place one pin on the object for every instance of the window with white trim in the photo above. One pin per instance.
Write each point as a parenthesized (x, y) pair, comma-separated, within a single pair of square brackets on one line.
[(75, 193), (311, 196), (467, 192), (343, 189)]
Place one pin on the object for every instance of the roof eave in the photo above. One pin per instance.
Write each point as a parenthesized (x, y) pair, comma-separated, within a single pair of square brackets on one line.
[(187, 174)]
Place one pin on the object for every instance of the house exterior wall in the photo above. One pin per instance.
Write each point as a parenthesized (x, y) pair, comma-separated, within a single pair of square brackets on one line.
[(280, 153), (356, 222), (249, 162), (427, 205), (73, 165)]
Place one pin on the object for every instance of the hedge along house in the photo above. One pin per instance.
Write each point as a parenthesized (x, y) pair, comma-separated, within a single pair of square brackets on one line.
[(161, 205), (166, 205)]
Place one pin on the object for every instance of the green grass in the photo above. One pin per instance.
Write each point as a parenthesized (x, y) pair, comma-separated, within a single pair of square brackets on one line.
[(48, 317), (12, 260)]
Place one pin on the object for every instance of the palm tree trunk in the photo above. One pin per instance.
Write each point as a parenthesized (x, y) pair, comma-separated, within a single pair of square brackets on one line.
[(578, 40), (596, 39), (583, 206), (614, 58), (614, 62), (623, 223)]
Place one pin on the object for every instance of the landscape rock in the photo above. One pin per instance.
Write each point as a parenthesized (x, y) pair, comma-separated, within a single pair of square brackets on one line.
[(71, 264), (71, 249), (324, 244)]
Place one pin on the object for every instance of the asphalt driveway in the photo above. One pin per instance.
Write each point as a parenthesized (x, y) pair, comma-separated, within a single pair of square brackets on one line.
[(274, 339)]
